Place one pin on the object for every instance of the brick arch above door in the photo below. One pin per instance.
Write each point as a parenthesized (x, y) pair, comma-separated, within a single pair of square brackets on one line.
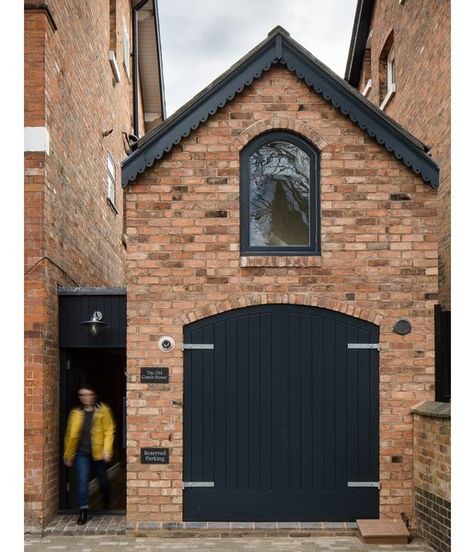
[(308, 299), (289, 122)]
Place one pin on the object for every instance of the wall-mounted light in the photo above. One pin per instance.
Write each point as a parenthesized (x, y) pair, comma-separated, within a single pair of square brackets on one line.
[(95, 323)]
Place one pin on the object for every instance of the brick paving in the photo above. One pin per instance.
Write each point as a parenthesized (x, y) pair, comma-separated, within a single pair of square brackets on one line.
[(117, 525), (104, 543)]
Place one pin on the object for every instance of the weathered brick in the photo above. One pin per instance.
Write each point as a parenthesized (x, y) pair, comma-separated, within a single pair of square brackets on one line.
[(366, 268), (421, 102), (72, 236)]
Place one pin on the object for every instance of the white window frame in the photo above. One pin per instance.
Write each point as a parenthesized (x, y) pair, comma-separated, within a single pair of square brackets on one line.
[(368, 88), (390, 78), (126, 49), (111, 180)]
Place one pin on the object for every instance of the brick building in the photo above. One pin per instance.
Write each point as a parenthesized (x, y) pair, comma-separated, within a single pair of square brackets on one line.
[(282, 271), (84, 95), (399, 59), (280, 240)]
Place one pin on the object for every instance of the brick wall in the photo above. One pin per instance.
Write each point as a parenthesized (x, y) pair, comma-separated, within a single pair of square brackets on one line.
[(421, 103), (73, 237), (432, 474), (378, 262)]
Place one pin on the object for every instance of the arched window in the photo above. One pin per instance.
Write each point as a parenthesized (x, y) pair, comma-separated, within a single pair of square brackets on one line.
[(279, 196)]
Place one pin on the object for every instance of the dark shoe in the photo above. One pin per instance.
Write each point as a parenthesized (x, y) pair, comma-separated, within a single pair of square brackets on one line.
[(106, 503), (82, 516)]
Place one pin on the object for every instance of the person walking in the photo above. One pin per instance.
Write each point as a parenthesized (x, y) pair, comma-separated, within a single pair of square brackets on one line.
[(89, 439)]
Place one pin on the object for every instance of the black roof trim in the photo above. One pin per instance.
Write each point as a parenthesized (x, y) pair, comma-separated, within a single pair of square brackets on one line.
[(360, 34), (92, 291), (280, 48)]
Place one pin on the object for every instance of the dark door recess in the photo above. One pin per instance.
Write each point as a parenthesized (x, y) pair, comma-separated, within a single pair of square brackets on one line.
[(281, 416)]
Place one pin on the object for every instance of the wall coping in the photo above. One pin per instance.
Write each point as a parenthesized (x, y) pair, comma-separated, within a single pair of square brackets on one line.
[(433, 409)]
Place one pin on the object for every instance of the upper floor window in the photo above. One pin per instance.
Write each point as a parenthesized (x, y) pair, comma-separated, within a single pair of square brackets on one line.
[(387, 72), (111, 181), (279, 196), (126, 49), (366, 76)]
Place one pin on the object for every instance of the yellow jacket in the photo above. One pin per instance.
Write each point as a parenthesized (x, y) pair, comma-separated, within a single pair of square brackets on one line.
[(102, 432)]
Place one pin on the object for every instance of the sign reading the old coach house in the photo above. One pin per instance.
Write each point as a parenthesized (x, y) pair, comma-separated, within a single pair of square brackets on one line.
[(154, 375)]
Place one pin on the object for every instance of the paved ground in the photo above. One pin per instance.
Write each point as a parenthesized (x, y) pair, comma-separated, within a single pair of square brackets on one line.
[(242, 544)]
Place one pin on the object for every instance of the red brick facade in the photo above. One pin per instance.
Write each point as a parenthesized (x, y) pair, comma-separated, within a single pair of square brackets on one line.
[(73, 236), (421, 103), (378, 262)]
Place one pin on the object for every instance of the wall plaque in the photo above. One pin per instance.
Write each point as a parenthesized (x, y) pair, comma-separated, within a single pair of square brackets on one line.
[(154, 375), (155, 455)]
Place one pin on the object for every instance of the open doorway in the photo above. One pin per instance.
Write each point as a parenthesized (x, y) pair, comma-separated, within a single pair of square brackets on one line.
[(104, 369)]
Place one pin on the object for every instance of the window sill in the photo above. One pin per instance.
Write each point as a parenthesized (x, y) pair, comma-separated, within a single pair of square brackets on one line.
[(112, 206), (367, 89), (127, 72), (114, 66), (279, 261), (387, 98)]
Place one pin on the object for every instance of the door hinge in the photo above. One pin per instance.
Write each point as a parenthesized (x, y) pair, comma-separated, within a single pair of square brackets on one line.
[(373, 484), (364, 346), (198, 346), (68, 487), (187, 484)]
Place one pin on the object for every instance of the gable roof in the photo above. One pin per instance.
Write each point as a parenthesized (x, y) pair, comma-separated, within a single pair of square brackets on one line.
[(279, 48)]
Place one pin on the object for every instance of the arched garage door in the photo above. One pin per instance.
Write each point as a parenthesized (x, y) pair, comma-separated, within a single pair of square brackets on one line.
[(280, 416)]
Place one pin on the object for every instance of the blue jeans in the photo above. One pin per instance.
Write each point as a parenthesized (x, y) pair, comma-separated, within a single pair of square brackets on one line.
[(82, 466)]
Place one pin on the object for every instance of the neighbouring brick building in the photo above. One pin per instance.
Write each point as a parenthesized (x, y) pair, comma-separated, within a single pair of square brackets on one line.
[(84, 96), (283, 233), (399, 59)]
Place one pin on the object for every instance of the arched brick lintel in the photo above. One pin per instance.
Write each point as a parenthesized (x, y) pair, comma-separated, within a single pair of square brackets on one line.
[(282, 298), (281, 123)]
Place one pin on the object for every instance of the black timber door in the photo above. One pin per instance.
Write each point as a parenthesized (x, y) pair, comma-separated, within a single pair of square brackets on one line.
[(281, 416)]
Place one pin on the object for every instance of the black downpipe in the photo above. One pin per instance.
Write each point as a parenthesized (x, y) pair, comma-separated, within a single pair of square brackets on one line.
[(442, 355)]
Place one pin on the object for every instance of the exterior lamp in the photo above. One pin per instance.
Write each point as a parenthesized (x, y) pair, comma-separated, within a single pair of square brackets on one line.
[(95, 323)]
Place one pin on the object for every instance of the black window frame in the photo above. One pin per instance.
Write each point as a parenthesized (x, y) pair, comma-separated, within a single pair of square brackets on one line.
[(314, 248)]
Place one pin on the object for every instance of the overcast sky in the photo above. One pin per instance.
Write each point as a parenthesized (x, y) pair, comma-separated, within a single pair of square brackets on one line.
[(201, 39)]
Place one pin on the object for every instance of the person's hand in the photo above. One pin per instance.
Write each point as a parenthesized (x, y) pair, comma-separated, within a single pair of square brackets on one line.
[(68, 463), (106, 457)]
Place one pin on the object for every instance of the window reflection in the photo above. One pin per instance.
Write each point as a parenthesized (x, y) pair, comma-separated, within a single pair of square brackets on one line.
[(279, 195)]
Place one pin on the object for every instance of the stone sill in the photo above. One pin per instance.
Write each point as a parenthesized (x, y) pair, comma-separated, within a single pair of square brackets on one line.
[(279, 261), (112, 205), (433, 409)]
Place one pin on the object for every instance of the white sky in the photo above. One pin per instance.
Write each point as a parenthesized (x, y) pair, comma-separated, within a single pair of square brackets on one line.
[(201, 39)]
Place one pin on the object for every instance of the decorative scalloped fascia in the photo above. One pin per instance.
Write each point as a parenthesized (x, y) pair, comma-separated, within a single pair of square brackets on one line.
[(280, 49)]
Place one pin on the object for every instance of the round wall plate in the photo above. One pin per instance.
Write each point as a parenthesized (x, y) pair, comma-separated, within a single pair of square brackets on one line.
[(166, 343), (402, 326)]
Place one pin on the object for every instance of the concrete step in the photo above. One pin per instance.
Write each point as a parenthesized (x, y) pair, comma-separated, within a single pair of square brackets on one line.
[(383, 531)]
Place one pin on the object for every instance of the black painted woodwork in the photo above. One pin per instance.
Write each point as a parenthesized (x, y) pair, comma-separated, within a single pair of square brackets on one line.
[(313, 248), (360, 34), (76, 307), (280, 48), (104, 369), (280, 416), (442, 354)]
